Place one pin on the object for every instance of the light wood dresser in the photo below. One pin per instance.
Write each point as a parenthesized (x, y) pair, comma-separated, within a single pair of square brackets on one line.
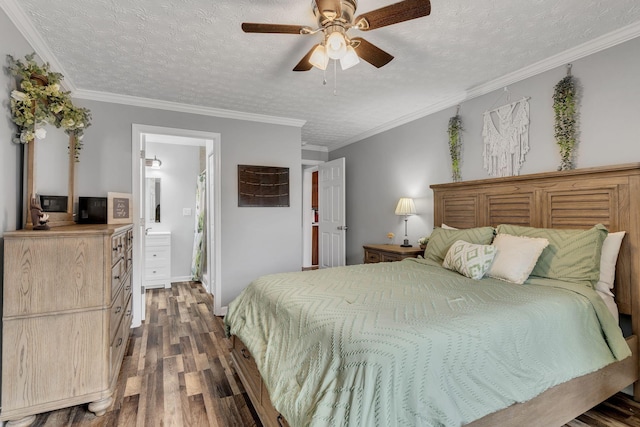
[(66, 318)]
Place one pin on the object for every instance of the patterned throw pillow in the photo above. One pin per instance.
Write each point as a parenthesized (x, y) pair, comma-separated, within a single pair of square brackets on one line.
[(469, 259), (441, 240), (572, 255)]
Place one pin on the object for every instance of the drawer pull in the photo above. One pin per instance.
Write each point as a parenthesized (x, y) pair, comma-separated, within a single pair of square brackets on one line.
[(155, 255), (119, 342), (154, 272), (118, 309), (120, 246), (245, 353), (115, 249), (279, 420), (127, 288), (117, 277), (128, 313)]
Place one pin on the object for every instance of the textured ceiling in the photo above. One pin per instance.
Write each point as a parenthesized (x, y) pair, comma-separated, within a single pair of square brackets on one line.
[(194, 52)]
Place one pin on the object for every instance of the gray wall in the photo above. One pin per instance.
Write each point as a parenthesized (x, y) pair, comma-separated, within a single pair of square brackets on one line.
[(255, 241), (407, 159), (180, 168), (11, 43)]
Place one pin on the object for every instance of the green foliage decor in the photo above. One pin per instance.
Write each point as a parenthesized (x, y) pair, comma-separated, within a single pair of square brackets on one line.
[(455, 144), (40, 100), (564, 107)]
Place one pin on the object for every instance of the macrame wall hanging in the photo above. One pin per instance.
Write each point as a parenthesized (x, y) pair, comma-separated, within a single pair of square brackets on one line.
[(506, 137)]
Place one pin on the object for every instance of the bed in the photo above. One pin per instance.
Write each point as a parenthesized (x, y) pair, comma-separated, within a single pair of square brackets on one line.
[(558, 200)]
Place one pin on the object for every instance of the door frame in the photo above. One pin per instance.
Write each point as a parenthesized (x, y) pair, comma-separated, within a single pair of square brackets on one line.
[(214, 263)]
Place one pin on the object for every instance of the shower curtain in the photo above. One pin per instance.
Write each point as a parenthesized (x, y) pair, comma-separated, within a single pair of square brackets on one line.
[(199, 232)]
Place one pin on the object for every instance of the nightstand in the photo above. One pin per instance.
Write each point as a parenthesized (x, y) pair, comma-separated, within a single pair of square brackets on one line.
[(388, 253)]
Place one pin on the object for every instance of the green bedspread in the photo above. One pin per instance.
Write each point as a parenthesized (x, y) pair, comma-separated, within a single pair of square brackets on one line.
[(412, 344)]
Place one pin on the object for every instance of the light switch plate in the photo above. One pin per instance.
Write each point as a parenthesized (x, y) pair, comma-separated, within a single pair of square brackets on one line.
[(186, 211)]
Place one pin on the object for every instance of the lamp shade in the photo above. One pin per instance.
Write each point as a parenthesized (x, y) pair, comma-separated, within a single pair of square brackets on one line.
[(405, 206), (336, 45), (319, 58), (349, 59)]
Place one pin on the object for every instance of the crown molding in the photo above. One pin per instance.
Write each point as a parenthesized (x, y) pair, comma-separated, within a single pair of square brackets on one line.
[(431, 109), (589, 48), (184, 108), (312, 147), (22, 22)]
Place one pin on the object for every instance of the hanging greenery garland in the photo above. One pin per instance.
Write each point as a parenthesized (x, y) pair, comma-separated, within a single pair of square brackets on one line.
[(455, 144), (40, 101), (565, 109)]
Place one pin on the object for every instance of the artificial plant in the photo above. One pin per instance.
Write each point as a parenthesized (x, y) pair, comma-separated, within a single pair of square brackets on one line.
[(40, 100), (455, 145), (565, 128)]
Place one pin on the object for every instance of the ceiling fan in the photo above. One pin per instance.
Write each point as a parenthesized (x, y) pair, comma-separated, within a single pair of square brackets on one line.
[(335, 19)]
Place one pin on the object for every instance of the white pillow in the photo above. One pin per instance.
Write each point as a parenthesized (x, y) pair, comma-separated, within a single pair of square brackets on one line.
[(515, 257), (446, 227), (469, 259), (610, 249)]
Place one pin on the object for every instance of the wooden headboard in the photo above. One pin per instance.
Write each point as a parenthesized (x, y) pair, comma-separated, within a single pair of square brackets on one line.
[(579, 198)]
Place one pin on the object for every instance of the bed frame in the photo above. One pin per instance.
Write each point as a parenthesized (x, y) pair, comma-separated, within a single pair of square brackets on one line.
[(567, 199)]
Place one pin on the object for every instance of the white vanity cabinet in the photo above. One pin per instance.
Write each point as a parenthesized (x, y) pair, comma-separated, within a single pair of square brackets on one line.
[(157, 261)]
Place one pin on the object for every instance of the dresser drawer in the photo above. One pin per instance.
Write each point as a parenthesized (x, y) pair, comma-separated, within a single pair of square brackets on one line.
[(118, 243), (119, 342), (117, 275), (115, 314)]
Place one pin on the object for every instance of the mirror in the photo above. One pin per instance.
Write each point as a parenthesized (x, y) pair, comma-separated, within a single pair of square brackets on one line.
[(52, 177), (152, 201), (50, 166)]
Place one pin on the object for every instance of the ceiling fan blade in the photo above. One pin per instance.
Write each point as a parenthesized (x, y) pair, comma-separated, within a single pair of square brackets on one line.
[(393, 14), (249, 27), (371, 53), (304, 64), (330, 9)]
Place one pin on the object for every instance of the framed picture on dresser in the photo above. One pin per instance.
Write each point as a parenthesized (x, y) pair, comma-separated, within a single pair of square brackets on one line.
[(119, 208)]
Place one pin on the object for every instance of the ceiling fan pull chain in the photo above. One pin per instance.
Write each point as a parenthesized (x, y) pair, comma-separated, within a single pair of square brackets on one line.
[(335, 77)]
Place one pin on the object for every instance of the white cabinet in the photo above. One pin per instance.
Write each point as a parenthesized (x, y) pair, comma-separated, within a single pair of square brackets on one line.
[(157, 262)]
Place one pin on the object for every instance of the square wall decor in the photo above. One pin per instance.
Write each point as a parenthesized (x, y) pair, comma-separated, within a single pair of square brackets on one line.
[(263, 186)]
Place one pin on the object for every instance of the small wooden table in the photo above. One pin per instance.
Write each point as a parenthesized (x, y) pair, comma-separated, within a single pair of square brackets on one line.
[(389, 253)]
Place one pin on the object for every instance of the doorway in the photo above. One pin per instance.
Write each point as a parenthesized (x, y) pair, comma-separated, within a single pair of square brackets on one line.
[(324, 219), (141, 135)]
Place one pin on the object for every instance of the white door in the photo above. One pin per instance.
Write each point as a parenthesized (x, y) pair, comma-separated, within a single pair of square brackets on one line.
[(139, 294), (332, 221)]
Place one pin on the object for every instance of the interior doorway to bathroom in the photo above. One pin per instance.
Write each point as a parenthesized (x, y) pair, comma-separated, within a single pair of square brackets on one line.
[(150, 143)]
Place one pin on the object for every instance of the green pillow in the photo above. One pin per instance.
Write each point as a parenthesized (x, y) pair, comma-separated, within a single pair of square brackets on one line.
[(441, 240), (572, 255)]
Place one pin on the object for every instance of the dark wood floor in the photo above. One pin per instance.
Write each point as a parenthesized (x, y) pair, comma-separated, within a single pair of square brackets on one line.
[(177, 372)]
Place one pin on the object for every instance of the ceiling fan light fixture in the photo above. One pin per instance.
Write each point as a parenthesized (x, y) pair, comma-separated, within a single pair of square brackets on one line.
[(336, 45), (350, 59), (319, 58)]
